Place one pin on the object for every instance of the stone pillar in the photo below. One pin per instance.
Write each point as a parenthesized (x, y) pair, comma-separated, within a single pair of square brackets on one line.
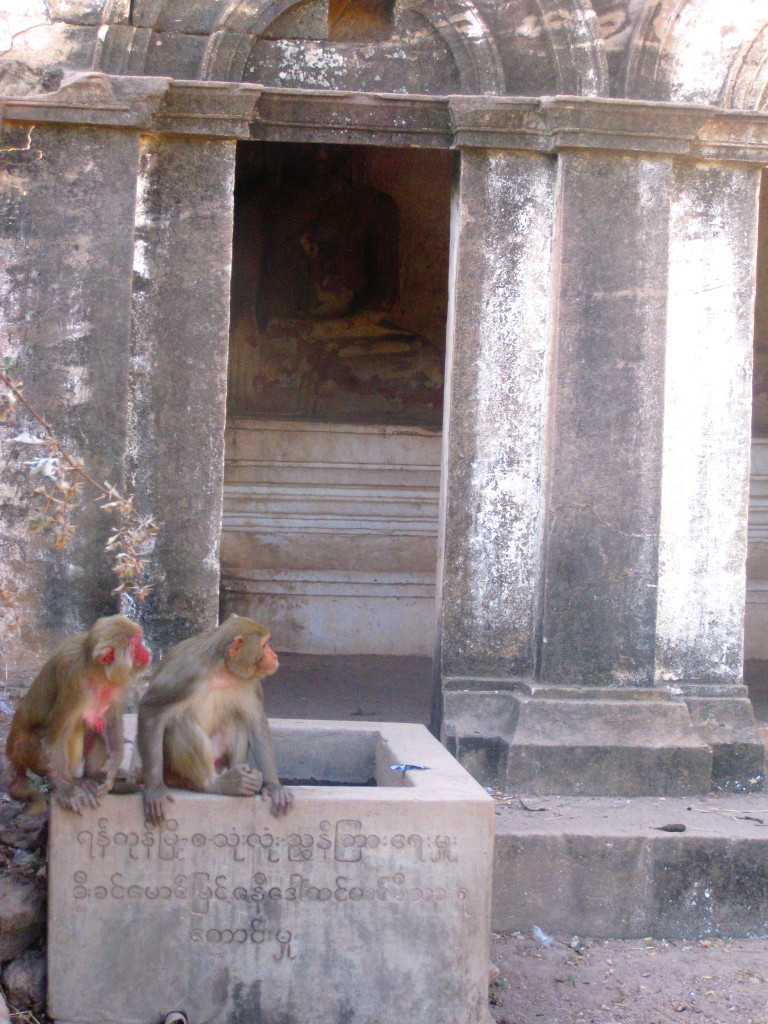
[(606, 419), (568, 693), (706, 456), (491, 566), (596, 724), (181, 275), (66, 238)]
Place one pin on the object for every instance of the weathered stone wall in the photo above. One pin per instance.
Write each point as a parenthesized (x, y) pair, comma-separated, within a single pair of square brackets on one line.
[(66, 237), (698, 51), (756, 617), (116, 269), (607, 412), (494, 449)]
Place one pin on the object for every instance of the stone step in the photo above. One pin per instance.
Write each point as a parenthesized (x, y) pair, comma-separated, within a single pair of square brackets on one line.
[(604, 867)]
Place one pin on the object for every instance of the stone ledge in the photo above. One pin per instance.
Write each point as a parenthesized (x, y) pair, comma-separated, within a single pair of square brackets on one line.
[(600, 867), (236, 110), (587, 747)]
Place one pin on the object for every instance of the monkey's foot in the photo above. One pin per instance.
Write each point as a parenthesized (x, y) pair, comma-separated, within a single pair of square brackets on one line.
[(73, 796), (242, 780), (103, 784)]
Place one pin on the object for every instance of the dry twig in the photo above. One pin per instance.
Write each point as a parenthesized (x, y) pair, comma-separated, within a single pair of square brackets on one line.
[(62, 479)]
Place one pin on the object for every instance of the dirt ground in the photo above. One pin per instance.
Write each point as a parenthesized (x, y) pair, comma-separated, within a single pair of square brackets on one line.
[(550, 979), (632, 981)]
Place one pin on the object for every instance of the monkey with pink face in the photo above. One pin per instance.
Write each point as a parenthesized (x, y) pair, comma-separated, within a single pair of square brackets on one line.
[(202, 724), (68, 727)]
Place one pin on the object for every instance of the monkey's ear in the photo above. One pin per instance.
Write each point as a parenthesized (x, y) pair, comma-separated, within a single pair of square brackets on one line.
[(104, 655), (234, 647)]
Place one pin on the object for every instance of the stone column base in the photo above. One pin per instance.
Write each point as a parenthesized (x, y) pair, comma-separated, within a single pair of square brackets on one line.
[(722, 715), (588, 741)]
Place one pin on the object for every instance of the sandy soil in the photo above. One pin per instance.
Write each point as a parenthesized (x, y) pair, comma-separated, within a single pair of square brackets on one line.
[(634, 981)]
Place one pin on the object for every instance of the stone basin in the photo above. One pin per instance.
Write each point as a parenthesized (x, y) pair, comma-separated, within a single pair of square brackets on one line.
[(367, 904)]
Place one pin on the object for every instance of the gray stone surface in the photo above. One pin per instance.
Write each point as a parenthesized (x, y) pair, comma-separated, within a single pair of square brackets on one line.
[(580, 741), (706, 461), (642, 545), (363, 903), (490, 577), (602, 518), (708, 399), (605, 867)]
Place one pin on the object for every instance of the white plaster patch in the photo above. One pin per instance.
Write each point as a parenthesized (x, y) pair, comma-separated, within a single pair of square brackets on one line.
[(468, 23), (513, 327), (321, 62), (707, 420), (39, 45), (76, 385), (142, 221), (22, 16), (705, 39), (141, 353), (530, 27)]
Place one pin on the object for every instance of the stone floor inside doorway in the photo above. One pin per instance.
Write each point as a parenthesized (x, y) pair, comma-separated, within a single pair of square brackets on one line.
[(367, 687), (391, 688)]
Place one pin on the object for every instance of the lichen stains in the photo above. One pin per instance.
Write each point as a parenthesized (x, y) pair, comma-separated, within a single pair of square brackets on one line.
[(246, 1004)]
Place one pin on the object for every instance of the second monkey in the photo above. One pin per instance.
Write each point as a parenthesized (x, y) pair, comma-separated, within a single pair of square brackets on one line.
[(202, 723)]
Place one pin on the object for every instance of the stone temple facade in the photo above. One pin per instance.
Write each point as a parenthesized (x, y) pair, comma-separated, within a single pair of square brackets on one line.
[(383, 307)]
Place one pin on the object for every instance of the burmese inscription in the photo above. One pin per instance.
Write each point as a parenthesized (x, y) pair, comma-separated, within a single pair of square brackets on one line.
[(259, 873)]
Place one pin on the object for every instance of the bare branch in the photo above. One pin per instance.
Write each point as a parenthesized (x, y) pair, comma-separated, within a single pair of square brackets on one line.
[(63, 477)]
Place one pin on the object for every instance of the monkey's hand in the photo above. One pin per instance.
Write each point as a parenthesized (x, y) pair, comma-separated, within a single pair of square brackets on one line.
[(75, 795), (154, 797), (281, 798)]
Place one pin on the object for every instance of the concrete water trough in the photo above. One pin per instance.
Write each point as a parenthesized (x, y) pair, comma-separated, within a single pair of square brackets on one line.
[(369, 903)]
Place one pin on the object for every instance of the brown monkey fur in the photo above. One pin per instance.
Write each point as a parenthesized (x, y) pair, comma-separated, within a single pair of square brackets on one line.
[(72, 716), (202, 723)]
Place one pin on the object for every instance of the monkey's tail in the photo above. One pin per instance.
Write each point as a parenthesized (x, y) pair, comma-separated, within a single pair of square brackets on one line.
[(20, 787)]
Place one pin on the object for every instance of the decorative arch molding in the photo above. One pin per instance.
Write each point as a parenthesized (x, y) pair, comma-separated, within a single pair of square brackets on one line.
[(648, 45), (472, 33), (746, 87), (699, 51), (458, 23), (231, 40), (573, 32)]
